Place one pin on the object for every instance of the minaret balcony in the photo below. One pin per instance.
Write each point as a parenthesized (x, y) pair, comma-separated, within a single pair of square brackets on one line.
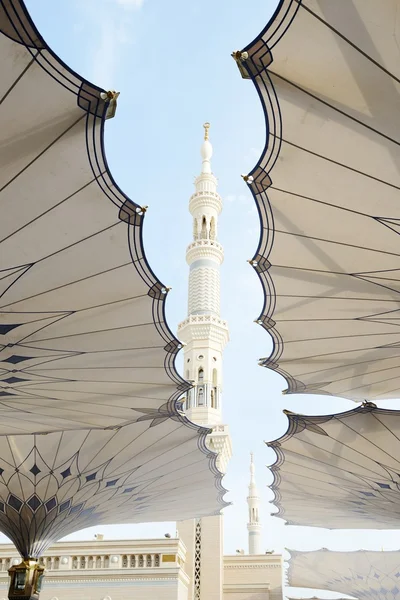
[(210, 249), (206, 198), (204, 327)]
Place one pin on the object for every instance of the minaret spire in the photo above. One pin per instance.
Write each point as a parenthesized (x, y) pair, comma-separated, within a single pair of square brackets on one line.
[(253, 501), (206, 150), (204, 332)]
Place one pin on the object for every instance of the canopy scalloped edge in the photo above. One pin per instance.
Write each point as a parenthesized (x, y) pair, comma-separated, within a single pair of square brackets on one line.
[(259, 58), (298, 422), (20, 27), (256, 62)]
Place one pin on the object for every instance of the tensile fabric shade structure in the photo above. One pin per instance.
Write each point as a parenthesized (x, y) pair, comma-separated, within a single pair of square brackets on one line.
[(313, 598), (90, 425), (362, 574), (327, 190), (339, 471)]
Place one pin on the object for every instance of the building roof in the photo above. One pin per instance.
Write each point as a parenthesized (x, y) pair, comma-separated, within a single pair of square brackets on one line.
[(326, 187), (90, 428), (339, 471), (361, 574)]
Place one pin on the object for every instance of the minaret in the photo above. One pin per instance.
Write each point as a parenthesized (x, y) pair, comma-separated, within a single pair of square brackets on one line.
[(205, 335), (253, 501), (203, 331)]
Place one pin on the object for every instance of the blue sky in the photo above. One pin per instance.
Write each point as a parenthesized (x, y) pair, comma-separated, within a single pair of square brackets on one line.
[(170, 60)]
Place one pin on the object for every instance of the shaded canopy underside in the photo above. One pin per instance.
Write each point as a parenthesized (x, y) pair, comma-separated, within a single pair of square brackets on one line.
[(327, 188), (340, 471), (313, 598), (362, 574), (86, 356), (55, 484)]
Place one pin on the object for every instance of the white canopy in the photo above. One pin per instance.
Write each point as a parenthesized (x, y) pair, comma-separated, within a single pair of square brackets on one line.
[(327, 189), (89, 427), (313, 598), (361, 574), (339, 471)]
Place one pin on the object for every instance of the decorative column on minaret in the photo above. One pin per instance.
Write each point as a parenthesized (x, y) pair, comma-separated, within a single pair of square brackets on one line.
[(253, 501), (205, 335), (203, 332)]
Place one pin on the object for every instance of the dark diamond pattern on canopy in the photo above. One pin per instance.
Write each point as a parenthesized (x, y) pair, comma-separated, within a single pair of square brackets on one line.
[(90, 426), (75, 479), (327, 191)]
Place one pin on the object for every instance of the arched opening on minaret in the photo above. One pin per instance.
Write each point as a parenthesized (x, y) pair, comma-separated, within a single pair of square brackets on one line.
[(212, 229), (204, 228), (214, 389), (195, 230), (200, 390), (201, 375), (200, 397)]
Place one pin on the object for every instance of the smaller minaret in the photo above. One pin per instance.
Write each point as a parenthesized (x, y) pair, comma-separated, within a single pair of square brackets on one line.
[(253, 501)]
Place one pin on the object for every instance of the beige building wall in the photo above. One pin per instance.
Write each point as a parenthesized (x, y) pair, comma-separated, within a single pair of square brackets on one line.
[(256, 577), (108, 570), (212, 571), (211, 556), (186, 532), (159, 569), (169, 588), (183, 589)]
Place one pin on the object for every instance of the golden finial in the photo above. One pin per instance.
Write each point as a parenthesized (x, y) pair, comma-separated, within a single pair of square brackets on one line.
[(206, 128)]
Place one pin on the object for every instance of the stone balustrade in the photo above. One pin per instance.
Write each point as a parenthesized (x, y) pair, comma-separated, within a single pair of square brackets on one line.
[(206, 243), (203, 319), (99, 561)]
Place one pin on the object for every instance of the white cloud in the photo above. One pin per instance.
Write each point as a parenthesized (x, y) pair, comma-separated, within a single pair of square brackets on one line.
[(111, 21)]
